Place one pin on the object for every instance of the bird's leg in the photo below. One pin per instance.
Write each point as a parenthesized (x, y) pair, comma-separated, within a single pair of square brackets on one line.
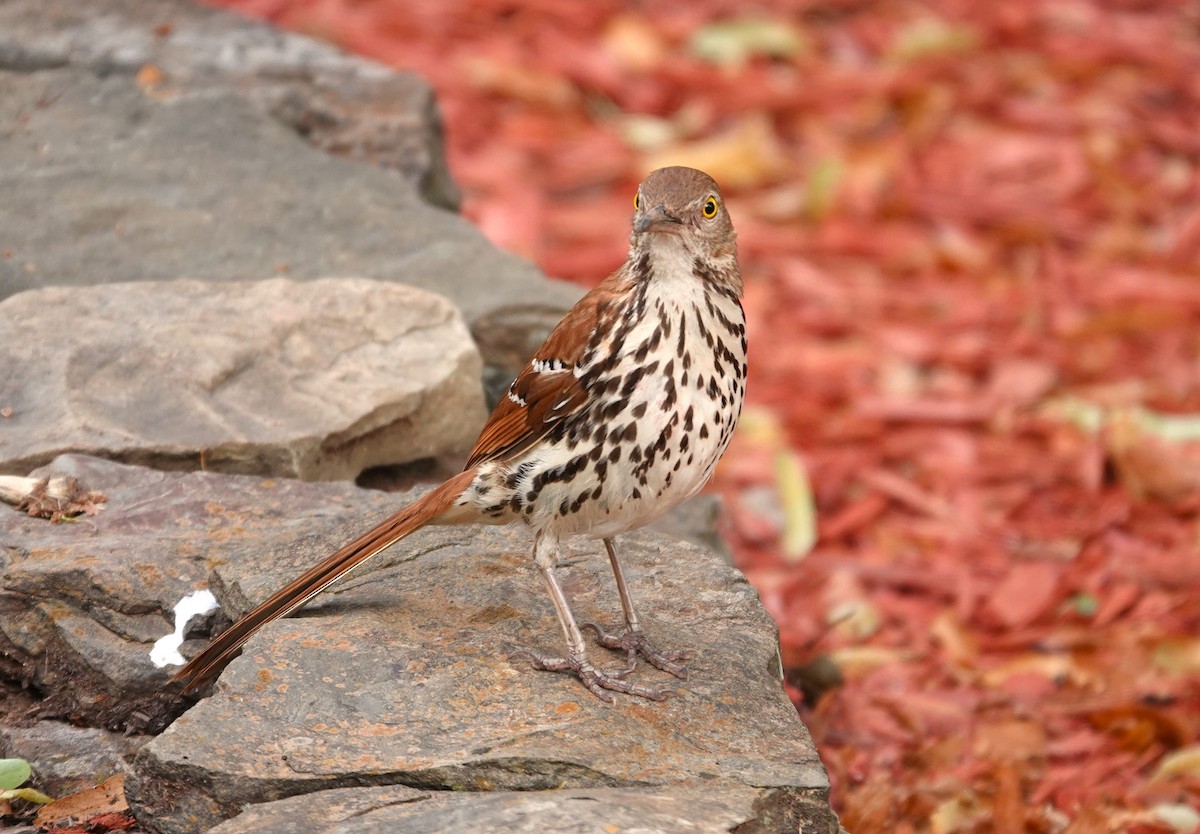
[(596, 680), (634, 641)]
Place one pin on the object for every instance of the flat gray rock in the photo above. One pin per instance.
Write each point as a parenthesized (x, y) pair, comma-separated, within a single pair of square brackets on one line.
[(82, 603), (315, 380), (409, 673), (105, 181), (412, 674), (67, 759), (694, 809), (341, 103)]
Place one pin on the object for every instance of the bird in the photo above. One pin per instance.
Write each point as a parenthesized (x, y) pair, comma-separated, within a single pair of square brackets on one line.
[(619, 416)]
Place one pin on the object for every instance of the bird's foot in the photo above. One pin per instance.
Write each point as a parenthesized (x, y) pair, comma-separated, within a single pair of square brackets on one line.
[(635, 644), (598, 682)]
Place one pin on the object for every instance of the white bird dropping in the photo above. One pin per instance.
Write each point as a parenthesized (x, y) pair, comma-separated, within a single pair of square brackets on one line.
[(195, 604)]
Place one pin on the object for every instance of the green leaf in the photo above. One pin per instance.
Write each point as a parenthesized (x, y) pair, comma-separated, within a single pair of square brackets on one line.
[(931, 36), (1084, 604), (28, 794), (1088, 417), (799, 508), (1173, 428), (731, 43), (822, 188), (13, 773)]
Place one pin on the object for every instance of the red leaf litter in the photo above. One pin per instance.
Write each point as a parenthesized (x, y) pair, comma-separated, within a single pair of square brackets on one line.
[(971, 236)]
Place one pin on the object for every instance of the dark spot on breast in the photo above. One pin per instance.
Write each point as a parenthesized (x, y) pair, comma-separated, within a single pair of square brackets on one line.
[(632, 379), (656, 340), (642, 351), (514, 477)]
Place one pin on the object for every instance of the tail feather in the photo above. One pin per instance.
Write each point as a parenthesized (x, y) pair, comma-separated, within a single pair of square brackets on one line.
[(287, 599)]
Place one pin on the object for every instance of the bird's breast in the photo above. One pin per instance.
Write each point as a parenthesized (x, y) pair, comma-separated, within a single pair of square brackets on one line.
[(665, 390)]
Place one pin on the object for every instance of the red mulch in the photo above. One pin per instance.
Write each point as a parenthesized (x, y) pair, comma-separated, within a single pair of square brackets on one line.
[(971, 233)]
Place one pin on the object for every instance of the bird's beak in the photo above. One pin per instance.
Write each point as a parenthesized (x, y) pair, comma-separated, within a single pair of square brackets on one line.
[(657, 219)]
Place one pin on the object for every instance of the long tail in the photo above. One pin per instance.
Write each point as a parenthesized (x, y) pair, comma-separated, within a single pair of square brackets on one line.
[(287, 599)]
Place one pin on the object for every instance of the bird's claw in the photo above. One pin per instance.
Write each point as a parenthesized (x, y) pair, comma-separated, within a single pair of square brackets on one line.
[(635, 645), (598, 681)]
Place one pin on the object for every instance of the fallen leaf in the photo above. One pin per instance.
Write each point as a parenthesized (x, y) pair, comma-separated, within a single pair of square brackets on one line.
[(27, 794), (106, 798), (14, 773), (1009, 740), (635, 42), (1182, 762), (746, 155), (959, 813), (1154, 457), (1027, 592), (731, 43), (930, 36), (1136, 727), (799, 511), (1183, 819), (1178, 655)]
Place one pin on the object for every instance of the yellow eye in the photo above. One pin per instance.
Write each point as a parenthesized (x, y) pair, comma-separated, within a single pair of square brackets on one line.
[(709, 208), (637, 201)]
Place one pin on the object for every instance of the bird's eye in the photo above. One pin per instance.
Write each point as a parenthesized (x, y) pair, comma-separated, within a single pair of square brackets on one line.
[(637, 201), (709, 208)]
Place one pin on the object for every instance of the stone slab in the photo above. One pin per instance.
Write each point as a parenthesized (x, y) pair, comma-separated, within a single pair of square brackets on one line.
[(315, 380)]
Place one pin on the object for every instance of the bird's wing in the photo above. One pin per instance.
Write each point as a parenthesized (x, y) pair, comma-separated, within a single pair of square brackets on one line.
[(547, 390)]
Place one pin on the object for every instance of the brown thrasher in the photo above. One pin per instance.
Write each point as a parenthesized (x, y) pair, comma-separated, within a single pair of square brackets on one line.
[(620, 416)]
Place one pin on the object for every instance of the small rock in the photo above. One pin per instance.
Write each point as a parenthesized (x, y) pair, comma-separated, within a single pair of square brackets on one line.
[(68, 759)]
